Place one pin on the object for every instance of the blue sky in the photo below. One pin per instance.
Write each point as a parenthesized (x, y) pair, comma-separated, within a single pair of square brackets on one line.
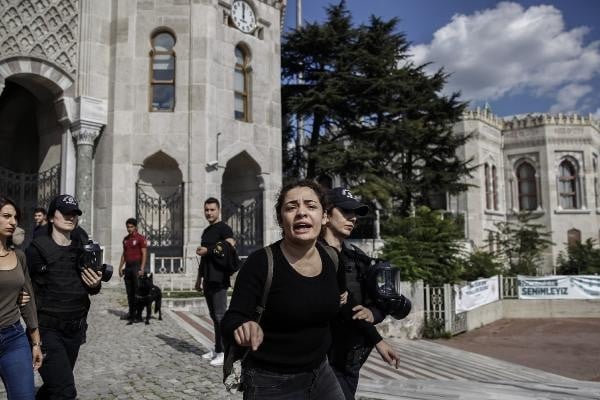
[(519, 56)]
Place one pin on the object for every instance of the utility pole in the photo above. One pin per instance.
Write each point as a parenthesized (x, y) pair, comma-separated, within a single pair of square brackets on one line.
[(299, 120)]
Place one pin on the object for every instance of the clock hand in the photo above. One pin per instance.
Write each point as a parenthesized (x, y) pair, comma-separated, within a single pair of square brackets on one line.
[(244, 12)]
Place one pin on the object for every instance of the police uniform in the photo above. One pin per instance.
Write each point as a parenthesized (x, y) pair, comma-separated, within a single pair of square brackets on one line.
[(62, 301), (352, 344)]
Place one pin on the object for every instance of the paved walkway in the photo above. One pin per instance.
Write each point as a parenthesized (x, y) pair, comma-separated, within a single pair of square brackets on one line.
[(162, 361)]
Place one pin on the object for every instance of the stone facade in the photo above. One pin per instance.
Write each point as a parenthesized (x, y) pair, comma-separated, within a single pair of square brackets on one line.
[(91, 62), (546, 164)]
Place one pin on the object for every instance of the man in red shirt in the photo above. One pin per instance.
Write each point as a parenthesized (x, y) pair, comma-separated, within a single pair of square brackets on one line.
[(132, 263)]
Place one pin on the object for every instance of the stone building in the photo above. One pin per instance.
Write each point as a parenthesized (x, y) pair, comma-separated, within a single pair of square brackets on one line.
[(545, 164), (144, 108)]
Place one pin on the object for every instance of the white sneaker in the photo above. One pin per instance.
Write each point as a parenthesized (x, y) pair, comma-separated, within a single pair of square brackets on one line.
[(209, 356), (218, 360)]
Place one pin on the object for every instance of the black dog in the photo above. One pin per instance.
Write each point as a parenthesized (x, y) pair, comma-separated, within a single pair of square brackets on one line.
[(146, 293)]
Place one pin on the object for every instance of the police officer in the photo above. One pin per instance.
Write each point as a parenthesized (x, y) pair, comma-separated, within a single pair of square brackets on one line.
[(62, 288), (351, 344)]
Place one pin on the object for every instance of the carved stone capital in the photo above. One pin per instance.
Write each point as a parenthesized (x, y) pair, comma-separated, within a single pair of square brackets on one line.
[(85, 132)]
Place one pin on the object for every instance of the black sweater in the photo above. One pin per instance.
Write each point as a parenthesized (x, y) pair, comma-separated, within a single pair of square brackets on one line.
[(297, 314)]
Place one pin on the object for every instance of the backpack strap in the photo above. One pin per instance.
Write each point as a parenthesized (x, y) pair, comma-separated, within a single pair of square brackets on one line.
[(263, 302), (333, 255)]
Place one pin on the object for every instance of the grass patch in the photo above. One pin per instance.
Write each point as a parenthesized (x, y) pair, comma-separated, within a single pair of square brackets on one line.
[(186, 294), (182, 294)]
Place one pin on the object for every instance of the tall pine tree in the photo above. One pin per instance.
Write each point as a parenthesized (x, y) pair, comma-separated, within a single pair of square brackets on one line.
[(376, 120)]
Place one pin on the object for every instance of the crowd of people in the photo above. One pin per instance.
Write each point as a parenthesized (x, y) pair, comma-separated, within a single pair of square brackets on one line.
[(316, 306)]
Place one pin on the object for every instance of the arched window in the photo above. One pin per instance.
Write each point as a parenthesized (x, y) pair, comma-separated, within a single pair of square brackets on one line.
[(241, 84), (595, 168), (162, 65), (494, 187), (567, 185), (488, 187), (573, 237), (527, 187)]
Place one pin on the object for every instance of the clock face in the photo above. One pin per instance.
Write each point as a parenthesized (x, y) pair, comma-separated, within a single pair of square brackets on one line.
[(243, 16)]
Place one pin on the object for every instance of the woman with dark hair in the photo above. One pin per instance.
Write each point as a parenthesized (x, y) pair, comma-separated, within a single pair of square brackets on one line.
[(62, 287), (17, 359), (288, 357)]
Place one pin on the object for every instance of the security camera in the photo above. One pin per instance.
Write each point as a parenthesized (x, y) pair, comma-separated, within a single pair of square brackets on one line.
[(212, 164)]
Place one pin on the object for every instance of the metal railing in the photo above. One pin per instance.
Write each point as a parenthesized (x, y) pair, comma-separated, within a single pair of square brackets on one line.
[(439, 303), (166, 265), (510, 287)]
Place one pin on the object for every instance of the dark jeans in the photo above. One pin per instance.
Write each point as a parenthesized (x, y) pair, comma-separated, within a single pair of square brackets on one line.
[(348, 381), (318, 384), (216, 300), (347, 368), (16, 363), (130, 275), (61, 348)]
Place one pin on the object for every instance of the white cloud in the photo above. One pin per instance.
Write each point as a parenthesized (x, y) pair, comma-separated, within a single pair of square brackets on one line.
[(509, 49), (596, 115), (568, 97)]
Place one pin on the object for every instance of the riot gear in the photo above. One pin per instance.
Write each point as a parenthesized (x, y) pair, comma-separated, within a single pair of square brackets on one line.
[(382, 286)]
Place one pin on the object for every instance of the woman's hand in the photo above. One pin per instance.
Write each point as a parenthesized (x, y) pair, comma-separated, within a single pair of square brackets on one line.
[(249, 334), (38, 357), (363, 313), (23, 298), (91, 278), (388, 354), (343, 298)]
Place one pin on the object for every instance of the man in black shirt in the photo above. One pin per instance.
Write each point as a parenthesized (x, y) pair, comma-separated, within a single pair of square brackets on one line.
[(212, 280), (39, 216)]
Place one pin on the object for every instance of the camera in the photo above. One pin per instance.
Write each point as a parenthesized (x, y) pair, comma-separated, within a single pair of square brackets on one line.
[(91, 257)]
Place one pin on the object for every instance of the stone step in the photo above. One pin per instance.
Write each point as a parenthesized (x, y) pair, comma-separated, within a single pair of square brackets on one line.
[(432, 371), (420, 389)]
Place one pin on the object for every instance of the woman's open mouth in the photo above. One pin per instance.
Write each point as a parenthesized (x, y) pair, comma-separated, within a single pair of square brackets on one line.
[(302, 227)]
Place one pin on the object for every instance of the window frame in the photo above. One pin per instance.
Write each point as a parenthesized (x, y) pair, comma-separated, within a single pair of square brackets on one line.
[(571, 180), (495, 187), (488, 186), (153, 82), (243, 69), (533, 182)]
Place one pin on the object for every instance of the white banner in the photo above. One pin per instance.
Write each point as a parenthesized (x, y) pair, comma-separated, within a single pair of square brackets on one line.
[(559, 287), (476, 294)]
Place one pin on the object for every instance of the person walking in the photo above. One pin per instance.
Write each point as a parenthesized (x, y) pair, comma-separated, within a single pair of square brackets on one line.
[(132, 264), (212, 280), (18, 357), (41, 222), (288, 349), (62, 287), (352, 344)]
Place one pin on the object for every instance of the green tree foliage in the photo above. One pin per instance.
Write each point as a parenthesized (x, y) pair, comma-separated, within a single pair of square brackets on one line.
[(479, 264), (522, 244), (424, 246), (580, 259), (372, 117), (315, 67)]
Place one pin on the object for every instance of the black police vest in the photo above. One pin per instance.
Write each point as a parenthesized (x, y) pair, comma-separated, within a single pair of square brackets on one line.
[(59, 290), (356, 263)]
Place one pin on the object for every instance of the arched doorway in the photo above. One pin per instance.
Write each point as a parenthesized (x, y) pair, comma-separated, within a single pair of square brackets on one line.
[(242, 202), (31, 135), (159, 205)]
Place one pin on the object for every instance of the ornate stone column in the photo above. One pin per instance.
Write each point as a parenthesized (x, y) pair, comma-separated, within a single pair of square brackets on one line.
[(89, 118), (85, 134)]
